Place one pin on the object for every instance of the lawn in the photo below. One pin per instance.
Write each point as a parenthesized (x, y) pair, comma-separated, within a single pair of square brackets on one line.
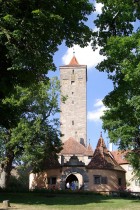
[(46, 201)]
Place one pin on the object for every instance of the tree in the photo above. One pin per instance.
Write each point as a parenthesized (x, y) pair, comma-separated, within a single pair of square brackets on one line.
[(30, 33), (119, 37), (36, 134)]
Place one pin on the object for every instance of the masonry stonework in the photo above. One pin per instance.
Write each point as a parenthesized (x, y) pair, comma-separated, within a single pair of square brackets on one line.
[(78, 165), (73, 116)]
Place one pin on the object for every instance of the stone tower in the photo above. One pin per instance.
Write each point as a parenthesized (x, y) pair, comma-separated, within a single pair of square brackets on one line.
[(73, 116)]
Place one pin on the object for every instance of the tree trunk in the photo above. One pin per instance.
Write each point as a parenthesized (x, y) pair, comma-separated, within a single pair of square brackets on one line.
[(5, 170), (4, 179)]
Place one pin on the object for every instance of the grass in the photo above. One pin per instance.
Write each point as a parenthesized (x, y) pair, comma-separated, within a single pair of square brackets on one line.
[(72, 201)]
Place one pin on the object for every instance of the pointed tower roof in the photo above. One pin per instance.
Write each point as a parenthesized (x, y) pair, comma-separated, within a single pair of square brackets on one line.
[(74, 61), (102, 158), (89, 151)]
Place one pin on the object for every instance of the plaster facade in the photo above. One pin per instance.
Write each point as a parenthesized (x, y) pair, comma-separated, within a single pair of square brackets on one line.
[(132, 181)]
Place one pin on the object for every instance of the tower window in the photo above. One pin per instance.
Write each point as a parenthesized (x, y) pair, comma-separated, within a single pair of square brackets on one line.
[(72, 76), (73, 122), (119, 181)]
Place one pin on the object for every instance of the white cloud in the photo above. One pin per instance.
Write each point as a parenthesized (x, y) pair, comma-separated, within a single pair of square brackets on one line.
[(98, 111), (98, 103), (85, 56), (98, 7)]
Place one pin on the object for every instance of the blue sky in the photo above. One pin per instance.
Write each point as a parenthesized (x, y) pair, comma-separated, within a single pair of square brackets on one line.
[(98, 85)]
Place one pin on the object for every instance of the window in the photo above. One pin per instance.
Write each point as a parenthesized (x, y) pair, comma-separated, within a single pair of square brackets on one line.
[(51, 180), (72, 102), (100, 179), (119, 181), (72, 77), (97, 180), (137, 182), (72, 82), (104, 180), (73, 122), (130, 168), (82, 141)]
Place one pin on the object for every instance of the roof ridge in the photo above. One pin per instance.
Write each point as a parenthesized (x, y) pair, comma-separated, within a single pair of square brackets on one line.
[(71, 146), (102, 159)]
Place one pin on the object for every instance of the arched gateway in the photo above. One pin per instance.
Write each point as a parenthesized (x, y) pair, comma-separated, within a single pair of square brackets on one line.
[(77, 163), (77, 175)]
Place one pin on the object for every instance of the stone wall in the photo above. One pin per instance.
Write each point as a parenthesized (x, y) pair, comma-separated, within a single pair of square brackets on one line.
[(73, 116)]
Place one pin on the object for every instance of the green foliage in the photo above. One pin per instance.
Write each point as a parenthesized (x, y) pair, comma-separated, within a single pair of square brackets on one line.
[(36, 134), (133, 157), (19, 180), (30, 33), (119, 37)]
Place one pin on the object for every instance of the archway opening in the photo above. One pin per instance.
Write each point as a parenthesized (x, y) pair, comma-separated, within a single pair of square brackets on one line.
[(72, 182)]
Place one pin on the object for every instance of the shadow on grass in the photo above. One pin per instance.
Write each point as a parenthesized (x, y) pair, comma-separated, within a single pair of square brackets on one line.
[(32, 198)]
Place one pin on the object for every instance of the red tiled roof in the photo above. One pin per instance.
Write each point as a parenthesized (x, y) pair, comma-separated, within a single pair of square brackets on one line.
[(71, 146), (73, 61), (102, 159), (89, 151), (119, 156)]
